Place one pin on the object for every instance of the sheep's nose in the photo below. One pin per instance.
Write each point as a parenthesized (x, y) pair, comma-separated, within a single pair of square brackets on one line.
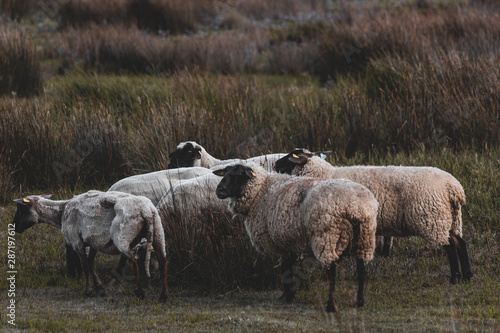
[(221, 192)]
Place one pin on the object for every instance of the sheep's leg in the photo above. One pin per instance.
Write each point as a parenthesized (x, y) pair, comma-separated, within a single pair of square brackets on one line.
[(387, 246), (379, 242), (73, 262), (331, 273), (163, 264), (99, 288), (361, 268), (463, 256), (451, 250), (287, 278), (135, 267), (119, 272), (85, 267)]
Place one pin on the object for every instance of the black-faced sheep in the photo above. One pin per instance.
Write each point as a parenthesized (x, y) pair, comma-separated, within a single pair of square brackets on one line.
[(414, 201), (108, 222), (192, 154), (286, 216)]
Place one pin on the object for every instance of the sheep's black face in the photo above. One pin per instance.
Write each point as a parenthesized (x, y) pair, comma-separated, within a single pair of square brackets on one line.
[(184, 156), (24, 218), (234, 180), (287, 163)]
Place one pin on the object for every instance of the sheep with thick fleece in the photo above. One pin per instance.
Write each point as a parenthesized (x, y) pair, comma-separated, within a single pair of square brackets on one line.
[(108, 222), (191, 154), (414, 201), (286, 216)]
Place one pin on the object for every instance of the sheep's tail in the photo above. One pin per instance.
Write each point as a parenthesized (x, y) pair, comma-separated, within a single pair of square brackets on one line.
[(457, 200), (365, 228), (150, 234)]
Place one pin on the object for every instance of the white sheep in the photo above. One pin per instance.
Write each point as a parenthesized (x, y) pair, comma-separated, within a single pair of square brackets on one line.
[(191, 154), (153, 185), (191, 196), (108, 222), (414, 201), (286, 216)]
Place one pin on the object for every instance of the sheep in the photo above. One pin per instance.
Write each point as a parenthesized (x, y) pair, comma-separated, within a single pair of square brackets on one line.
[(414, 201), (108, 222), (153, 186), (286, 216), (194, 200), (190, 154), (192, 195)]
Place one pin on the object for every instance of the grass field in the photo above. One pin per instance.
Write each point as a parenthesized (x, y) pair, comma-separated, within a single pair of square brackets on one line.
[(94, 91)]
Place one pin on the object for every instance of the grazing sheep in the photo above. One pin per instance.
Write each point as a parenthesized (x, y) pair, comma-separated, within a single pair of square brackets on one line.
[(286, 216), (151, 185), (414, 201), (109, 222), (190, 154)]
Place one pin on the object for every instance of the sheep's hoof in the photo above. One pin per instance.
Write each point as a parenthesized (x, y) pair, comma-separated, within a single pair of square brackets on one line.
[(140, 293), (100, 292), (467, 276), (163, 298), (287, 297), (455, 278), (361, 302), (332, 307)]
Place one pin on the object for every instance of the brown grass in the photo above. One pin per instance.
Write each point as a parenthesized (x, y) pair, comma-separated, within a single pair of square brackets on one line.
[(117, 48), (19, 64)]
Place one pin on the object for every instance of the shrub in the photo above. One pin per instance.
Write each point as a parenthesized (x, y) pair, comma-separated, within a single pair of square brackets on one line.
[(169, 16), (15, 9), (118, 48), (19, 64)]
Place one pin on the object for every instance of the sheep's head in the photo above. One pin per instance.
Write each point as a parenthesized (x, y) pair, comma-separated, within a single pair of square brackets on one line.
[(298, 157), (26, 214), (187, 154), (234, 179)]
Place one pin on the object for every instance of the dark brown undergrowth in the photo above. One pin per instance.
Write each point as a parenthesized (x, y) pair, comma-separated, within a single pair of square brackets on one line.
[(117, 48), (19, 64), (409, 33), (170, 16), (210, 251), (15, 9)]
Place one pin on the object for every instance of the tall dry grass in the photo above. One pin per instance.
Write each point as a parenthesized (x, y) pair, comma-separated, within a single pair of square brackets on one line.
[(16, 9), (19, 64), (169, 16), (118, 48)]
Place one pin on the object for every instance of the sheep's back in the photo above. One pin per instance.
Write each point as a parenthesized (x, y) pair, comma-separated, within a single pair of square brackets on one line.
[(297, 209), (411, 198)]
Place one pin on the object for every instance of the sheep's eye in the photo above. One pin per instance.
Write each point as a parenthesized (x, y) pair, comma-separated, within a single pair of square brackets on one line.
[(295, 156), (26, 200)]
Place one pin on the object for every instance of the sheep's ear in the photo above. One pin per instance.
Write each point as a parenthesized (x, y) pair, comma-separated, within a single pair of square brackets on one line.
[(46, 196), (323, 154), (298, 158), (220, 172), (250, 173), (23, 201)]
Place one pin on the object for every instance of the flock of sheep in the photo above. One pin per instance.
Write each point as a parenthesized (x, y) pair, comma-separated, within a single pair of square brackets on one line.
[(292, 204)]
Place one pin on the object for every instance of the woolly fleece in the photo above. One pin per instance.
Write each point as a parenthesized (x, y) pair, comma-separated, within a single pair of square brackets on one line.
[(414, 201), (316, 217)]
